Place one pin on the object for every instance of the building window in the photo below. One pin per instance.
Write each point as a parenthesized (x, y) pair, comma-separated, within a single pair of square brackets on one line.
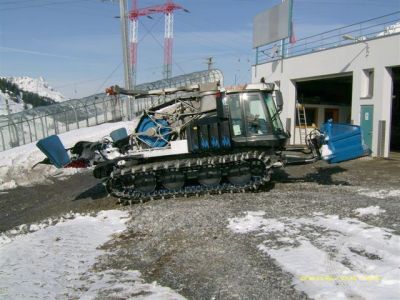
[(311, 116), (367, 83)]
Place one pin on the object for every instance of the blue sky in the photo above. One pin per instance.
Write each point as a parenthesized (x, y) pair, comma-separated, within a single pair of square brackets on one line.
[(76, 46)]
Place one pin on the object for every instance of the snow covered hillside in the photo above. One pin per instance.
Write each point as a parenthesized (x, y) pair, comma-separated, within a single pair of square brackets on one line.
[(19, 93), (38, 86), (13, 106)]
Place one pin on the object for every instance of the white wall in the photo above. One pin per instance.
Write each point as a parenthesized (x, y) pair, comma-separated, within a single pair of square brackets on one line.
[(378, 54)]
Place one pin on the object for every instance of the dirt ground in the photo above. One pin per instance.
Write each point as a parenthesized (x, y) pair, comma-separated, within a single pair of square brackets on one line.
[(79, 193), (185, 243)]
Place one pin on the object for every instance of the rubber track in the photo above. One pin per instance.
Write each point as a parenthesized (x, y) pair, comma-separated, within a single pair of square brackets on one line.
[(130, 196)]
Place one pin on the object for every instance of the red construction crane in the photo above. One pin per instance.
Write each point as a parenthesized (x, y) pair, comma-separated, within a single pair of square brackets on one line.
[(168, 8)]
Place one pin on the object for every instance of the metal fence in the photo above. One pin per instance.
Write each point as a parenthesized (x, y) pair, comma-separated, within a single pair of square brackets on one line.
[(355, 33), (33, 124)]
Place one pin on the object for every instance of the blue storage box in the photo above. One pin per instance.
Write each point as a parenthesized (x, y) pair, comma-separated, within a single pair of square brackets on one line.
[(342, 142)]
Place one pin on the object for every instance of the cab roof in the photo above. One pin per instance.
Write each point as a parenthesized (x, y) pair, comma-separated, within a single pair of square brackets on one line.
[(250, 87)]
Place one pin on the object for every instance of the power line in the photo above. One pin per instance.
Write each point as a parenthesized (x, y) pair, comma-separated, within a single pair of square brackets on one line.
[(151, 29), (16, 2), (42, 5), (162, 47), (108, 77), (78, 82)]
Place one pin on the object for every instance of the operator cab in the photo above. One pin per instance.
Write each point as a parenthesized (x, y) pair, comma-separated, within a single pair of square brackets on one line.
[(254, 117)]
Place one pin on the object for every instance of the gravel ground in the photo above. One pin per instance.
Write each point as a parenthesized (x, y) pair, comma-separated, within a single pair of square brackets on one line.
[(79, 193), (185, 243)]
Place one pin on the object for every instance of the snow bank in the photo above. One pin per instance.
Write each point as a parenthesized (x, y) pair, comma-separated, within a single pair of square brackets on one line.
[(16, 164), (329, 257), (56, 261), (380, 194), (370, 210)]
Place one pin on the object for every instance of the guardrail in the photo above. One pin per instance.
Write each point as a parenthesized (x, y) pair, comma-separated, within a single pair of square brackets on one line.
[(354, 33)]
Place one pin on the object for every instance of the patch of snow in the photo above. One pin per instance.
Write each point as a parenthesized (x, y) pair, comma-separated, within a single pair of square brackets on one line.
[(254, 221), (8, 185), (6, 237), (46, 263), (380, 194), (370, 210), (55, 259), (330, 257), (16, 163), (325, 151), (38, 86), (115, 284)]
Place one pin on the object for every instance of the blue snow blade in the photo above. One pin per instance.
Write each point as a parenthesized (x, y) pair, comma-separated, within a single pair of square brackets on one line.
[(118, 134), (53, 148), (342, 142)]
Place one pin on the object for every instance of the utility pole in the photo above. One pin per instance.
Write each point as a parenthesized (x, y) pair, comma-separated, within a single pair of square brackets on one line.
[(209, 63), (125, 53), (124, 36)]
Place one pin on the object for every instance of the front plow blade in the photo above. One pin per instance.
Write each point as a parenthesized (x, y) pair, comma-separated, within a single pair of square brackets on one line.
[(342, 142)]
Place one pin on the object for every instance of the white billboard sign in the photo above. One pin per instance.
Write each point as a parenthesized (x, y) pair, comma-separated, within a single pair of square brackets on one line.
[(272, 25)]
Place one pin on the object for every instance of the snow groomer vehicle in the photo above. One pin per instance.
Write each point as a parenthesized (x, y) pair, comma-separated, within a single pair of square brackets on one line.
[(201, 139)]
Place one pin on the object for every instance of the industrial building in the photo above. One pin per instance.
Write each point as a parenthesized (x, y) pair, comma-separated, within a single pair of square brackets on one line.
[(350, 74)]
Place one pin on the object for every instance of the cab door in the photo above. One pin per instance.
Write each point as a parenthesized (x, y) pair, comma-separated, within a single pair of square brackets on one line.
[(251, 123), (249, 118)]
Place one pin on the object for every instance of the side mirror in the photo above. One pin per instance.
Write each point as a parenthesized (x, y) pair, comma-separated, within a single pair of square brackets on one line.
[(278, 100)]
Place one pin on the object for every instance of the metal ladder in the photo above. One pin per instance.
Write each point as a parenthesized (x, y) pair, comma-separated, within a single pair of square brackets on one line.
[(302, 119)]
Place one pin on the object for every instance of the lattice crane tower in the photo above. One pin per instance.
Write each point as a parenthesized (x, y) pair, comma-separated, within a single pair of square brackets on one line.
[(168, 9), (134, 15)]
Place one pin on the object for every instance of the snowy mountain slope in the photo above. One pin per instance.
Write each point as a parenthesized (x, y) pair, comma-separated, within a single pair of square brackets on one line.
[(13, 106), (19, 93), (38, 86)]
